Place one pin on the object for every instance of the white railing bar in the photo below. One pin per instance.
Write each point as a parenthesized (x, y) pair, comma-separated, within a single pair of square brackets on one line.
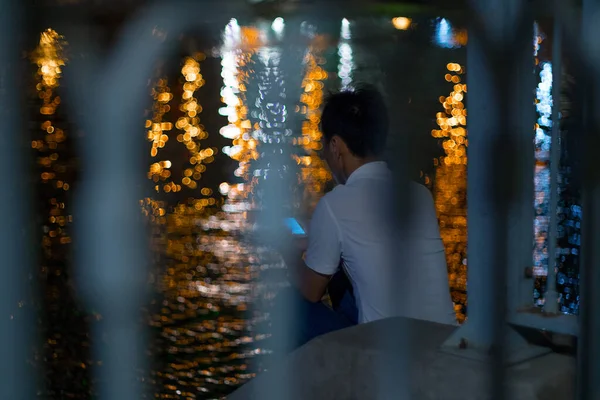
[(498, 47), (17, 328), (274, 186), (588, 386), (394, 350), (111, 259)]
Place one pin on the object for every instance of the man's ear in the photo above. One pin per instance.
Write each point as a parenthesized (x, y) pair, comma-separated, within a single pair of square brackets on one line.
[(336, 145)]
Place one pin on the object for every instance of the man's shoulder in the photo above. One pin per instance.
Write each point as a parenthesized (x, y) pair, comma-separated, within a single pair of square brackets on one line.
[(419, 187), (331, 203), (421, 193), (334, 196)]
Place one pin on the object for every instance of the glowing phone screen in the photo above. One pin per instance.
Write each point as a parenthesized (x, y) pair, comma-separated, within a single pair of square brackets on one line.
[(294, 226)]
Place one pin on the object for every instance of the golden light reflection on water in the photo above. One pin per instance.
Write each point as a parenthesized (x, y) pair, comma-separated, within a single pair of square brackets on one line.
[(63, 354), (158, 129), (192, 131), (450, 187), (208, 275), (236, 55), (49, 58), (191, 134), (315, 173)]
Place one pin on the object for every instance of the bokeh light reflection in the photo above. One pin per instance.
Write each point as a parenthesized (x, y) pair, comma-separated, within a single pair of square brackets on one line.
[(450, 185)]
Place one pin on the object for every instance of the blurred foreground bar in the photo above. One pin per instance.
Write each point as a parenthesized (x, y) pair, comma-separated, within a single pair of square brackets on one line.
[(16, 323), (589, 339), (500, 165), (500, 177)]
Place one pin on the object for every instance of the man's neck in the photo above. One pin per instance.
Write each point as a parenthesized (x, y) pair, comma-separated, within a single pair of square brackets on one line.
[(356, 163)]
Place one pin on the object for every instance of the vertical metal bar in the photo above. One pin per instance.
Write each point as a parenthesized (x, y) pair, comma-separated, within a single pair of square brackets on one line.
[(486, 198), (522, 120), (499, 122), (273, 186), (588, 387), (512, 158), (16, 324), (512, 178), (111, 255), (481, 103), (552, 297), (394, 350)]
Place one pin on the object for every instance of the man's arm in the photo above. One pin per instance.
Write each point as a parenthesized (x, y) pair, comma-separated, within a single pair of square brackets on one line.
[(311, 284), (312, 274)]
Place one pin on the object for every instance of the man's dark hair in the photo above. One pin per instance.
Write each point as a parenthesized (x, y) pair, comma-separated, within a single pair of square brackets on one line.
[(359, 117)]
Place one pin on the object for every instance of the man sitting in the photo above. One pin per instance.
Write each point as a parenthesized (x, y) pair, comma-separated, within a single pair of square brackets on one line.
[(353, 231)]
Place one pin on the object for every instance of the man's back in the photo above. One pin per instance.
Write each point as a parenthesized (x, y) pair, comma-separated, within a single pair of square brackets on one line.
[(362, 213)]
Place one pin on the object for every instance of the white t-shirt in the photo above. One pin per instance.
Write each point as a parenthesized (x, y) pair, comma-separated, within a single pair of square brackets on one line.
[(353, 223)]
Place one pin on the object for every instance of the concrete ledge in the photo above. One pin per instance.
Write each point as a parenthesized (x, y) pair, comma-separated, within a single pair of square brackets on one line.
[(342, 365)]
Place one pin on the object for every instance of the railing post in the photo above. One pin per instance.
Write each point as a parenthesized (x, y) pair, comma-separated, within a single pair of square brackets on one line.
[(500, 192), (111, 261), (395, 353), (16, 323), (274, 187), (589, 339), (110, 255), (521, 121)]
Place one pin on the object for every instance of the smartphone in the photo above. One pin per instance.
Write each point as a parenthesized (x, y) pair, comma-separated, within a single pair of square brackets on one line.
[(295, 227)]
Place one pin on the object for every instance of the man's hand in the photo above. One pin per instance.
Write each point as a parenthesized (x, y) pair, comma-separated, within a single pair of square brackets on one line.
[(301, 244), (309, 283)]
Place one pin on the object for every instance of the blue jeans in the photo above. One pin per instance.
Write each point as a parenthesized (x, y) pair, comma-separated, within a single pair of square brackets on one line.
[(311, 319)]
